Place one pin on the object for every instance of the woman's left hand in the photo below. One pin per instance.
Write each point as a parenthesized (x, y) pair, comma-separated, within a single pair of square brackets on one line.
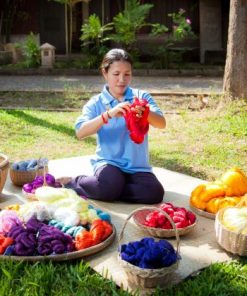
[(138, 110)]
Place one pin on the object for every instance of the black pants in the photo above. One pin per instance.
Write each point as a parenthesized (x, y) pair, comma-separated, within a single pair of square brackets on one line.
[(109, 183)]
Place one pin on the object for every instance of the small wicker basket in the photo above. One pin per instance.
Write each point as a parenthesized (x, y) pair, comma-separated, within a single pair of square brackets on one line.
[(144, 277), (4, 167), (20, 178), (202, 213), (139, 219), (231, 241)]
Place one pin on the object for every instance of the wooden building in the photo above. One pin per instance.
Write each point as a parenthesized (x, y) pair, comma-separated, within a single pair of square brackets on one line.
[(48, 19)]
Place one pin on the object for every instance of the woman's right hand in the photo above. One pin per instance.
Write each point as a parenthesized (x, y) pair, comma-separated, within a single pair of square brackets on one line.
[(119, 110)]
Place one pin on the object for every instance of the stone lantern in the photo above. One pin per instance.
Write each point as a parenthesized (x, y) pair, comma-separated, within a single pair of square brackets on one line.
[(47, 55)]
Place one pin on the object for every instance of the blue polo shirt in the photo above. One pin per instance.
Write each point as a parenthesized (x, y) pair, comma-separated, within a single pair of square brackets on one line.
[(114, 145)]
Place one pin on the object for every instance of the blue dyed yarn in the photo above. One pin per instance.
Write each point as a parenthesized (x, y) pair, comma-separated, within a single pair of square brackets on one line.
[(71, 230), (101, 214), (149, 253)]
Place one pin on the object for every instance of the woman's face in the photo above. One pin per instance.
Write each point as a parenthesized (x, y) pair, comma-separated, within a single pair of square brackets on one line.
[(118, 78)]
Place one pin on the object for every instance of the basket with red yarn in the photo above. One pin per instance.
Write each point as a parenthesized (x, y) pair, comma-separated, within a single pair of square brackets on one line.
[(183, 227), (143, 268)]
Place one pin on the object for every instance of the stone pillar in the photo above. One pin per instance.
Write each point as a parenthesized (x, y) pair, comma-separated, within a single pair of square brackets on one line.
[(16, 52), (47, 55), (210, 27)]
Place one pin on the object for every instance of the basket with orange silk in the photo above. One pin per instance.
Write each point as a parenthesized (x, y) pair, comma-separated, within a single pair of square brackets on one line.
[(4, 167), (150, 277), (231, 228), (21, 177)]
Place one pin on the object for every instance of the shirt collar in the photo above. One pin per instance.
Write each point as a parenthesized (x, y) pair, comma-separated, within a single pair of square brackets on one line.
[(107, 98)]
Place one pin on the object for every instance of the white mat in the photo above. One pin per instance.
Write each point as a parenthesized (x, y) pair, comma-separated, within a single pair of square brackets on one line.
[(198, 249)]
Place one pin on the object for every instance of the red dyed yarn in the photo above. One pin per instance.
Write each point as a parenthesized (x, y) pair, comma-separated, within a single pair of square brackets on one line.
[(138, 127), (4, 243), (99, 231), (84, 240)]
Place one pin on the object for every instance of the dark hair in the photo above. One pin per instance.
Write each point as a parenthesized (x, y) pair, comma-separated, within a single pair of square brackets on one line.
[(114, 55)]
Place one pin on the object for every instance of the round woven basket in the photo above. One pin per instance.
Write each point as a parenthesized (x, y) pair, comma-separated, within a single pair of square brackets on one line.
[(4, 167), (144, 277), (67, 256), (202, 213), (20, 178), (140, 216), (231, 241)]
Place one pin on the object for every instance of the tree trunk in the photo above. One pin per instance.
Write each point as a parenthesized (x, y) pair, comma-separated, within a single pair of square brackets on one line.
[(235, 77)]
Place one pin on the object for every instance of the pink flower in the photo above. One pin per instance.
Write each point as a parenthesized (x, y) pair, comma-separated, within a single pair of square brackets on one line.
[(188, 21)]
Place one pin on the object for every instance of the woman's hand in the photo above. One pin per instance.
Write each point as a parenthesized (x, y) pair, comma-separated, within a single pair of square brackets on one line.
[(120, 110), (138, 110)]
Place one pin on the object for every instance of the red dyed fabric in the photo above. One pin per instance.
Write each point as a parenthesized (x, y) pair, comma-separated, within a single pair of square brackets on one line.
[(138, 127)]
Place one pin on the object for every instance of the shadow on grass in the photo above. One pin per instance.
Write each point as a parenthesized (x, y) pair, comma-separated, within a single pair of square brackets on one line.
[(43, 123), (175, 165)]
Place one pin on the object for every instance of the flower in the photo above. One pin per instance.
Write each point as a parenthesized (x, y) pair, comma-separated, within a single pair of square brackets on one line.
[(188, 21)]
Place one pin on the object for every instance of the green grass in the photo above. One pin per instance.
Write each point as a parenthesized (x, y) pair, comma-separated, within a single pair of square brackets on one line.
[(53, 279), (198, 143), (220, 279), (201, 143), (68, 99)]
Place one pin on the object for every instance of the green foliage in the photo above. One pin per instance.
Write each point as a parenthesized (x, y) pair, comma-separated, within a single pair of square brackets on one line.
[(129, 22), (181, 26), (94, 40), (158, 29), (165, 55), (31, 51), (93, 32)]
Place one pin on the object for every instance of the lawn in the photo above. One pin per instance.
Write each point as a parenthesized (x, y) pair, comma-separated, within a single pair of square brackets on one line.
[(199, 142)]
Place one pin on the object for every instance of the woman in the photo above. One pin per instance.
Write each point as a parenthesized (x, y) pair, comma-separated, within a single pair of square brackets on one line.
[(121, 167)]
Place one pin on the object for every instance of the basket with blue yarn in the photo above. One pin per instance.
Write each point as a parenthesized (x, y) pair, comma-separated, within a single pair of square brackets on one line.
[(148, 262), (25, 171)]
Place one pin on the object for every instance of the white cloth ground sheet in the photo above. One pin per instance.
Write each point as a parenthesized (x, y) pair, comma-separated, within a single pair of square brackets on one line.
[(198, 249)]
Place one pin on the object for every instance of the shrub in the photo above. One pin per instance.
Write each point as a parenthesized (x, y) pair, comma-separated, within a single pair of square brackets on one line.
[(31, 52)]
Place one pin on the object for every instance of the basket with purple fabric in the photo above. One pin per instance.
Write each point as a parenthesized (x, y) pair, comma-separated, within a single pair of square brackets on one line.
[(148, 262), (28, 189)]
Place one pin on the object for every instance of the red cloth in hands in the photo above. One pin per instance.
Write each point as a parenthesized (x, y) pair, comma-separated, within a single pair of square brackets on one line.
[(138, 126)]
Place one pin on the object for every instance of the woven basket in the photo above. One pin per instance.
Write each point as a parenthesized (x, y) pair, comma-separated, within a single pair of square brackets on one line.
[(140, 216), (144, 277), (67, 256), (231, 241), (4, 166), (20, 178), (202, 213)]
